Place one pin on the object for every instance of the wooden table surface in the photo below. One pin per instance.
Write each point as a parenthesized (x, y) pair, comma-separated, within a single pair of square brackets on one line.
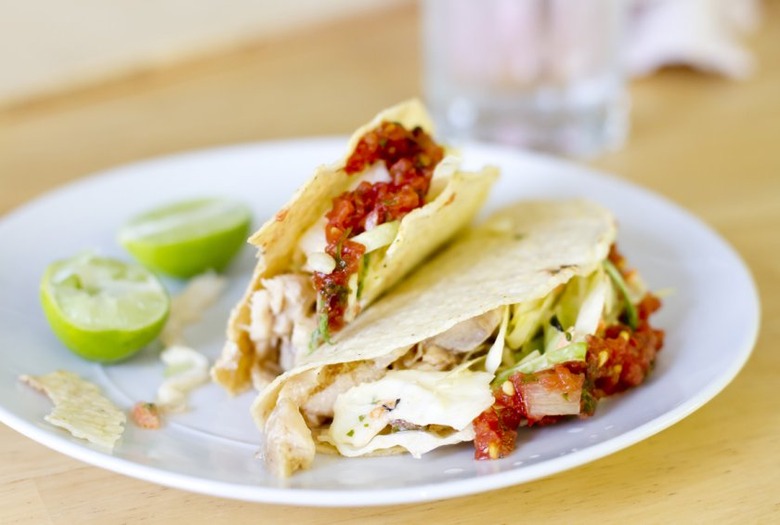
[(709, 144)]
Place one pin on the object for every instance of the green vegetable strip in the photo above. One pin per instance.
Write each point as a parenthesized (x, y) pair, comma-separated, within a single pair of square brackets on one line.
[(570, 352), (617, 278)]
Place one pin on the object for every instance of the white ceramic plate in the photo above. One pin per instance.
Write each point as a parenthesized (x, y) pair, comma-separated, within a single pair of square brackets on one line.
[(711, 322)]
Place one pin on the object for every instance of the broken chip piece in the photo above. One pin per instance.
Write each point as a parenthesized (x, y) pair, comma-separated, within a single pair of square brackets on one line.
[(80, 407)]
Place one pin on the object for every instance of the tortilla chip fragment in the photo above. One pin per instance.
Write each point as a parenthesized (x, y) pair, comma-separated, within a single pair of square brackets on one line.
[(80, 407)]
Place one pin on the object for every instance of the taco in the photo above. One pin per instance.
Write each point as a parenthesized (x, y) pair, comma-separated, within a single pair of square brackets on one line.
[(530, 317), (347, 235)]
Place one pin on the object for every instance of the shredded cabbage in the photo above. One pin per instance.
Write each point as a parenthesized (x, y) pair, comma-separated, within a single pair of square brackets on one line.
[(352, 298), (378, 237), (526, 319), (621, 285), (564, 320), (592, 309), (536, 361), (496, 353), (579, 311)]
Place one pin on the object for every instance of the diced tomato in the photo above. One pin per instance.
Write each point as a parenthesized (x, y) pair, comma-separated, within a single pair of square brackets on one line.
[(621, 358), (496, 428), (559, 379), (494, 437), (410, 157), (146, 415)]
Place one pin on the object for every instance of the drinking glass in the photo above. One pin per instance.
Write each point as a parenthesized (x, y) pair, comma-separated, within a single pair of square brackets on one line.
[(541, 74)]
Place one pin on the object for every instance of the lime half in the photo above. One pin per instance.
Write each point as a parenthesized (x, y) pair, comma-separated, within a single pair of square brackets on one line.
[(103, 309), (188, 238)]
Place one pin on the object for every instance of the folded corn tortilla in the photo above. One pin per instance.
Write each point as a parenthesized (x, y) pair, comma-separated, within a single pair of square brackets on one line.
[(347, 394), (453, 200)]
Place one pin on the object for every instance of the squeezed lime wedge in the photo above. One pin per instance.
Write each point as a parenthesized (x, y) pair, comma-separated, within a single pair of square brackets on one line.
[(103, 309), (187, 238)]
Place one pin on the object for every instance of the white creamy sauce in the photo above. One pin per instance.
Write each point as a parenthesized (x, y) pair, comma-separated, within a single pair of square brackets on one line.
[(417, 398)]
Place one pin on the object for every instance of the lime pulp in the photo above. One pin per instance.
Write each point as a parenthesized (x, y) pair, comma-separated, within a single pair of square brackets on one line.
[(103, 309)]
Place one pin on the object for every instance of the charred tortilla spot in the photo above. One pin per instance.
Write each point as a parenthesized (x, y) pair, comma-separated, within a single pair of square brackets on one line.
[(556, 271), (391, 405), (281, 214)]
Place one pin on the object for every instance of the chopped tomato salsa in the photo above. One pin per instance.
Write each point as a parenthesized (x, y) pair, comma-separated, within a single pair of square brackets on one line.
[(146, 415), (496, 427), (618, 358), (410, 157)]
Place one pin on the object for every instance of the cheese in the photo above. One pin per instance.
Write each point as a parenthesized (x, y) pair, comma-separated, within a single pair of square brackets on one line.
[(410, 399)]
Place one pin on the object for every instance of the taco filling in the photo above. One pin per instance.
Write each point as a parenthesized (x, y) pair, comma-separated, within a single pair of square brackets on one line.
[(350, 233), (296, 312), (594, 339), (402, 163)]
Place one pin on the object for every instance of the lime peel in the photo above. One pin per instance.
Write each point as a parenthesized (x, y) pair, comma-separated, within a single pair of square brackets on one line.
[(187, 238)]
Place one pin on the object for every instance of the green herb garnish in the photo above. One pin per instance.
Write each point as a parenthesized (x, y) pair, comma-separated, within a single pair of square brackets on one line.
[(361, 275), (631, 315), (321, 334)]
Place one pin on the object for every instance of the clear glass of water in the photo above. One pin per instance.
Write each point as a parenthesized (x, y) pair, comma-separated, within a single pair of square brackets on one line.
[(540, 74)]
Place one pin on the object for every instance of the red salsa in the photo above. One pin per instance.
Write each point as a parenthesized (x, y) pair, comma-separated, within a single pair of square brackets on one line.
[(410, 157), (618, 358), (496, 428)]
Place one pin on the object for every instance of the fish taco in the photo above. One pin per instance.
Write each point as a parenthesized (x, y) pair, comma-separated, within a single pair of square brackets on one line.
[(531, 317), (346, 236)]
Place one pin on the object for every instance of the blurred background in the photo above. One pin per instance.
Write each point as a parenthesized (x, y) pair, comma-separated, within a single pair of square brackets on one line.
[(94, 84), (51, 46)]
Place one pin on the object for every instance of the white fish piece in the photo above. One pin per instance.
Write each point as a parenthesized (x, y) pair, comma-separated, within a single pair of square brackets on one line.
[(282, 315), (469, 334)]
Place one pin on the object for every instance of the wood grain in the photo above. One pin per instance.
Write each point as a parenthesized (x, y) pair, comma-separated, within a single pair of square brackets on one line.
[(708, 144)]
